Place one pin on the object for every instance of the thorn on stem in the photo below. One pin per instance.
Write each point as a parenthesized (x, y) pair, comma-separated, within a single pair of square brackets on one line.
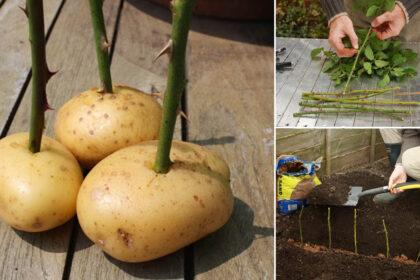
[(167, 49), (105, 44), (49, 74), (25, 10)]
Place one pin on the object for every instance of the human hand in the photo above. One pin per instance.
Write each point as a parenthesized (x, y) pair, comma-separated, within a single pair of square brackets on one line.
[(340, 28), (389, 24), (398, 176)]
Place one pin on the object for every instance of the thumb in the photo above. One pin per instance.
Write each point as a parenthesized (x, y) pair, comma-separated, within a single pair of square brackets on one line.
[(353, 39), (381, 19)]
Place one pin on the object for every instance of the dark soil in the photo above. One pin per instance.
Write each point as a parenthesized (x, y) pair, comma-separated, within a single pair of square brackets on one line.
[(301, 264), (402, 220)]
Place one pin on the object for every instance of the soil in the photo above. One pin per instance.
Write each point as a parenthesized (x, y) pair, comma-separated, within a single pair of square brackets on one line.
[(401, 218)]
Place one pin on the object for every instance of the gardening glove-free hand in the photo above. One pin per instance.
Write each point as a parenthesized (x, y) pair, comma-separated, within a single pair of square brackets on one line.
[(398, 176), (340, 28), (389, 24)]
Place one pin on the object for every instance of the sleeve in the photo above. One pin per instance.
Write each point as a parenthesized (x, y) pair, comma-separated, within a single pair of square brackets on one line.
[(410, 7), (410, 139), (333, 8)]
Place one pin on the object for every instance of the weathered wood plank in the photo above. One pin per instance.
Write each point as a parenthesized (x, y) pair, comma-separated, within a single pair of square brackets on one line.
[(15, 51), (292, 79), (71, 50), (230, 105), (144, 29), (306, 84)]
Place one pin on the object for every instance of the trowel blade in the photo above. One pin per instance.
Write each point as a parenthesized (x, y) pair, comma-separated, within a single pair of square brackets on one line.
[(353, 197)]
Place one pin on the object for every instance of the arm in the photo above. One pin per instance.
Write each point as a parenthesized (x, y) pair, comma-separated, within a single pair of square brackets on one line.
[(410, 139)]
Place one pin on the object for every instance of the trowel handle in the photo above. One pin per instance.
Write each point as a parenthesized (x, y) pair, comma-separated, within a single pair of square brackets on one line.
[(408, 185), (374, 191)]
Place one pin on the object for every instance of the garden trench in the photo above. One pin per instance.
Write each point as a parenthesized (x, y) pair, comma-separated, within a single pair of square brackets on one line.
[(316, 262)]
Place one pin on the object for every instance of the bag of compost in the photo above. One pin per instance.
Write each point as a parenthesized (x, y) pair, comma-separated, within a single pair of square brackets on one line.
[(295, 180)]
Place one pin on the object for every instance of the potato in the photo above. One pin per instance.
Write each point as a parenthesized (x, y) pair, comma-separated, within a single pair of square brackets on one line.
[(136, 215), (93, 125), (37, 191)]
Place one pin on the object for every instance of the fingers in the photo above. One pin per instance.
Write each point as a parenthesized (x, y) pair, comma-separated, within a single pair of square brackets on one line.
[(340, 28), (353, 38), (385, 34), (385, 17), (340, 49), (396, 191)]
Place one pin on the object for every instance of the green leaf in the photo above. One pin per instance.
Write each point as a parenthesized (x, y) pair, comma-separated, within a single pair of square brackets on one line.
[(381, 63), (328, 66), (368, 67), (410, 55), (398, 71), (315, 52), (398, 59), (410, 71), (371, 11), (381, 55), (386, 44), (369, 52), (396, 44), (337, 82), (389, 5), (385, 81)]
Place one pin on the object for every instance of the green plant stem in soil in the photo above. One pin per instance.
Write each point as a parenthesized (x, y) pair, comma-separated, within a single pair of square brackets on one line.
[(355, 230), (329, 229), (181, 14), (418, 257), (350, 101), (300, 225), (386, 238), (34, 10), (357, 58), (352, 91), (342, 112), (102, 45)]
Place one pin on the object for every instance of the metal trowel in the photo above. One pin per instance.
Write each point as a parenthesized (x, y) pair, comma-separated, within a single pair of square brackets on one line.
[(357, 192)]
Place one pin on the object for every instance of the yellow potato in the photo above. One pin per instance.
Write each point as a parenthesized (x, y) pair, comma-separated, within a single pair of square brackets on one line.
[(136, 215), (93, 125), (37, 191)]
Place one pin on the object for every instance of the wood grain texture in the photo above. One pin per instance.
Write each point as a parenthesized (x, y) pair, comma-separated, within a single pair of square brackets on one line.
[(144, 29), (291, 83), (230, 105), (71, 50), (15, 51)]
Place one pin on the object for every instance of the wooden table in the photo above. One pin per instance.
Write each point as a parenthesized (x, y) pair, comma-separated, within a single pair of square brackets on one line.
[(229, 102), (305, 75)]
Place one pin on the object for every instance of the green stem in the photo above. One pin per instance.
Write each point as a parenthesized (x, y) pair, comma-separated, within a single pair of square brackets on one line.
[(329, 229), (40, 72), (355, 231), (366, 109), (355, 61), (343, 112), (418, 257), (181, 13), (352, 91), (101, 43), (300, 225), (350, 101), (386, 238)]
